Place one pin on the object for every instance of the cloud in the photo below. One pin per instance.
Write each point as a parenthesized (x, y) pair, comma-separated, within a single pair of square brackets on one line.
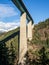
[(7, 11), (8, 26)]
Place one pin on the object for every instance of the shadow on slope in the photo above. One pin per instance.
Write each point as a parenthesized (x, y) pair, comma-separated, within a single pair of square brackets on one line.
[(8, 56), (10, 37)]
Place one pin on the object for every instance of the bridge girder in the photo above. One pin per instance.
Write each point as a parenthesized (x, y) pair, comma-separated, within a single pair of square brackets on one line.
[(20, 5)]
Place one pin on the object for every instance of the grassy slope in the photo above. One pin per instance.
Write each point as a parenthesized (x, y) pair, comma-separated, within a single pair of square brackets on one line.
[(10, 37), (8, 34)]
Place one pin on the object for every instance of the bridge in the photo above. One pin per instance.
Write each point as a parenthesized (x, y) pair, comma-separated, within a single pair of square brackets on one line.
[(25, 29)]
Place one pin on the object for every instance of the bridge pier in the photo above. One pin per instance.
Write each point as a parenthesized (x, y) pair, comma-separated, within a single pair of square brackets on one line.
[(24, 35), (23, 38), (30, 30)]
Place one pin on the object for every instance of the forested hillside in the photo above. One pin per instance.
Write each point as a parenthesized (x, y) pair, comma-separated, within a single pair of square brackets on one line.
[(38, 53)]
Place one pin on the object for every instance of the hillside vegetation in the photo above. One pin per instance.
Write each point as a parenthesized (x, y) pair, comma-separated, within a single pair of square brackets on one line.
[(38, 53), (41, 32), (38, 47), (9, 47)]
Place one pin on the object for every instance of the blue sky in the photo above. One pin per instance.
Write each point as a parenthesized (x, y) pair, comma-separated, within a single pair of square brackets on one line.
[(39, 9), (10, 15)]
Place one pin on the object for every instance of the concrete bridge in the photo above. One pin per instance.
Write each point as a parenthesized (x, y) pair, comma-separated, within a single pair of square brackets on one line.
[(25, 29)]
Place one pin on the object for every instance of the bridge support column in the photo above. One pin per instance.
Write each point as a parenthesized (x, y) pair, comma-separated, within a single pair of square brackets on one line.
[(23, 38), (30, 30)]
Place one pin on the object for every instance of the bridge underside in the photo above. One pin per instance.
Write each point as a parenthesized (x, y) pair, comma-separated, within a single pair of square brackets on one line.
[(25, 29), (20, 5)]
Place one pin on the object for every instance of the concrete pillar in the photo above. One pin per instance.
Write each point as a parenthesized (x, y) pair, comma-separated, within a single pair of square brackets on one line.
[(32, 26), (23, 38), (30, 30)]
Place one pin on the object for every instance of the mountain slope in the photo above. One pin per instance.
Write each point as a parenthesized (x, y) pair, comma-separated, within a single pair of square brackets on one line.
[(38, 47), (41, 31), (9, 43), (9, 38), (9, 47), (40, 35)]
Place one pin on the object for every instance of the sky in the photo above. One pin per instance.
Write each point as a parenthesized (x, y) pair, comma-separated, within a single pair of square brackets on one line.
[(10, 15)]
